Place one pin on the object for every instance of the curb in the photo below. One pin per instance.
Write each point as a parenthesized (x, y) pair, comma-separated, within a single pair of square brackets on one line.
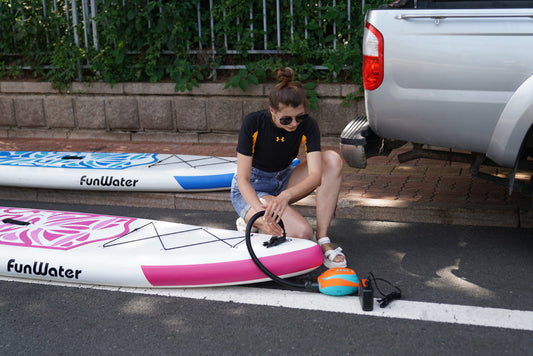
[(359, 209), (423, 192)]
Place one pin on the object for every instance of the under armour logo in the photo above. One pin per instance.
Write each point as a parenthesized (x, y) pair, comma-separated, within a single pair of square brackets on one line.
[(282, 139)]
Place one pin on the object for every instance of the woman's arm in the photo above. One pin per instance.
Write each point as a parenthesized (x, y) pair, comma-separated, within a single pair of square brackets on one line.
[(244, 170), (305, 184), (311, 180)]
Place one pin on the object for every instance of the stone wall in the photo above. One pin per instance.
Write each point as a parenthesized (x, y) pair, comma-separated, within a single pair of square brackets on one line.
[(144, 111)]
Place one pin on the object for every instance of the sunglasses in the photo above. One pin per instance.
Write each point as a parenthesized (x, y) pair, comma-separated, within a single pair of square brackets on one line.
[(287, 120)]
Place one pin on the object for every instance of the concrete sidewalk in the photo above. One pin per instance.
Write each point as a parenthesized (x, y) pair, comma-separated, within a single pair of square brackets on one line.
[(418, 191)]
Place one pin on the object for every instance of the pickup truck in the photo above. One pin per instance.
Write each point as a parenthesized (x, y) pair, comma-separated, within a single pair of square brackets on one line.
[(448, 74)]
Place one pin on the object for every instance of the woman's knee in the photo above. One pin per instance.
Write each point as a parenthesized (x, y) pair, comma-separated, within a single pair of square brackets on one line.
[(332, 162), (303, 231), (297, 226)]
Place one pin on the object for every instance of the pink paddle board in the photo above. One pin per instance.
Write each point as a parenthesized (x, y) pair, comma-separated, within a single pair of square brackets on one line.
[(122, 251)]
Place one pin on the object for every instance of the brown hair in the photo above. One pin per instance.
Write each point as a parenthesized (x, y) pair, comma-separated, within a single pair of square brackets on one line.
[(287, 91)]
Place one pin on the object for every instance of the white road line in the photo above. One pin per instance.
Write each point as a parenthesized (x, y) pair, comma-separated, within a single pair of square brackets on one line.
[(399, 309)]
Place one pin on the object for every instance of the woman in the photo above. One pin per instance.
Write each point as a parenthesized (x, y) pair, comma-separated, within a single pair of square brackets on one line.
[(269, 140)]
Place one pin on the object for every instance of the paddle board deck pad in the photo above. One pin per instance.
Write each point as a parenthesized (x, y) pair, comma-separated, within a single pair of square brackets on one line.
[(130, 252), (116, 171)]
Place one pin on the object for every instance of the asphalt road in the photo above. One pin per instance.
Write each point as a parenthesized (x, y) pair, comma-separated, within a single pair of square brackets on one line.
[(437, 264)]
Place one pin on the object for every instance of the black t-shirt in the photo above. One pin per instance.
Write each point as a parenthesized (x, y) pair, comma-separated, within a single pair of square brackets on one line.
[(273, 149)]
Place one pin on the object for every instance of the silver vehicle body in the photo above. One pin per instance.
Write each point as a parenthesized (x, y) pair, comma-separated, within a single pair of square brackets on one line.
[(460, 79)]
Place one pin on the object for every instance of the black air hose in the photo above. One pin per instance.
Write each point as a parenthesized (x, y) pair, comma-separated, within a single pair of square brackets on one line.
[(308, 285)]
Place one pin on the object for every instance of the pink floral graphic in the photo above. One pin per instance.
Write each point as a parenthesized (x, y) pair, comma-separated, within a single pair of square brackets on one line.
[(58, 229)]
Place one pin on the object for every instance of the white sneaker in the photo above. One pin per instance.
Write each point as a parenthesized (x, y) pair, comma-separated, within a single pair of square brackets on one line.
[(241, 226)]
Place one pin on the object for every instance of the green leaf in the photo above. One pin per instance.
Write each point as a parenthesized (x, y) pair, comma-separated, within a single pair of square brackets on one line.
[(310, 85), (131, 14), (253, 79), (243, 84)]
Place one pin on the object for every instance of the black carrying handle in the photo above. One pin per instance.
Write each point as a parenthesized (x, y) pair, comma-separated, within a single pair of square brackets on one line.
[(15, 222)]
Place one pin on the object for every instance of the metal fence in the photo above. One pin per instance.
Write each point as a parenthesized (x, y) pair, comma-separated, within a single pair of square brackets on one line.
[(268, 24)]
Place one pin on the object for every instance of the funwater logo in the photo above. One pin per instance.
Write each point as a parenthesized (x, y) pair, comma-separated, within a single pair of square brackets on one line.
[(42, 269), (108, 181)]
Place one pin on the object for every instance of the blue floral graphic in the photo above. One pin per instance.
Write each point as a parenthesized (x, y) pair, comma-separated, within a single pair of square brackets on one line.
[(85, 160)]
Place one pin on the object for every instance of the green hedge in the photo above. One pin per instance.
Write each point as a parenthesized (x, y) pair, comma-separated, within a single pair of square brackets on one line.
[(143, 40)]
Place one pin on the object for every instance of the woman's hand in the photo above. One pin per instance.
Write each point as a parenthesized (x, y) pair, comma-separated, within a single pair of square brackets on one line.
[(274, 209), (270, 228)]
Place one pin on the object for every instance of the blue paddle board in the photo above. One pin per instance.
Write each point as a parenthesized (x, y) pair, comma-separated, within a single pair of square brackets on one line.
[(116, 171)]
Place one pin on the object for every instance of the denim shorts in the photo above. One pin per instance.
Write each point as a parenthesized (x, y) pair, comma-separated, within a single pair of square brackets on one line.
[(264, 183)]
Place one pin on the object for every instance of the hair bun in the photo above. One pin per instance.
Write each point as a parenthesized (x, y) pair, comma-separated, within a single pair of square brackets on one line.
[(287, 91), (284, 76)]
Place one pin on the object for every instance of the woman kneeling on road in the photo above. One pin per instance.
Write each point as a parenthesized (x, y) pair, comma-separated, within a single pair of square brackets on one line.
[(269, 140)]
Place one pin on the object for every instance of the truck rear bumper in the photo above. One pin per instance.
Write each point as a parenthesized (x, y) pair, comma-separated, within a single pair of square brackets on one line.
[(359, 141)]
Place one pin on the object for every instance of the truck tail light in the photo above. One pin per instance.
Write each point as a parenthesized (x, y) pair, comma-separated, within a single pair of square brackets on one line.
[(372, 58)]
